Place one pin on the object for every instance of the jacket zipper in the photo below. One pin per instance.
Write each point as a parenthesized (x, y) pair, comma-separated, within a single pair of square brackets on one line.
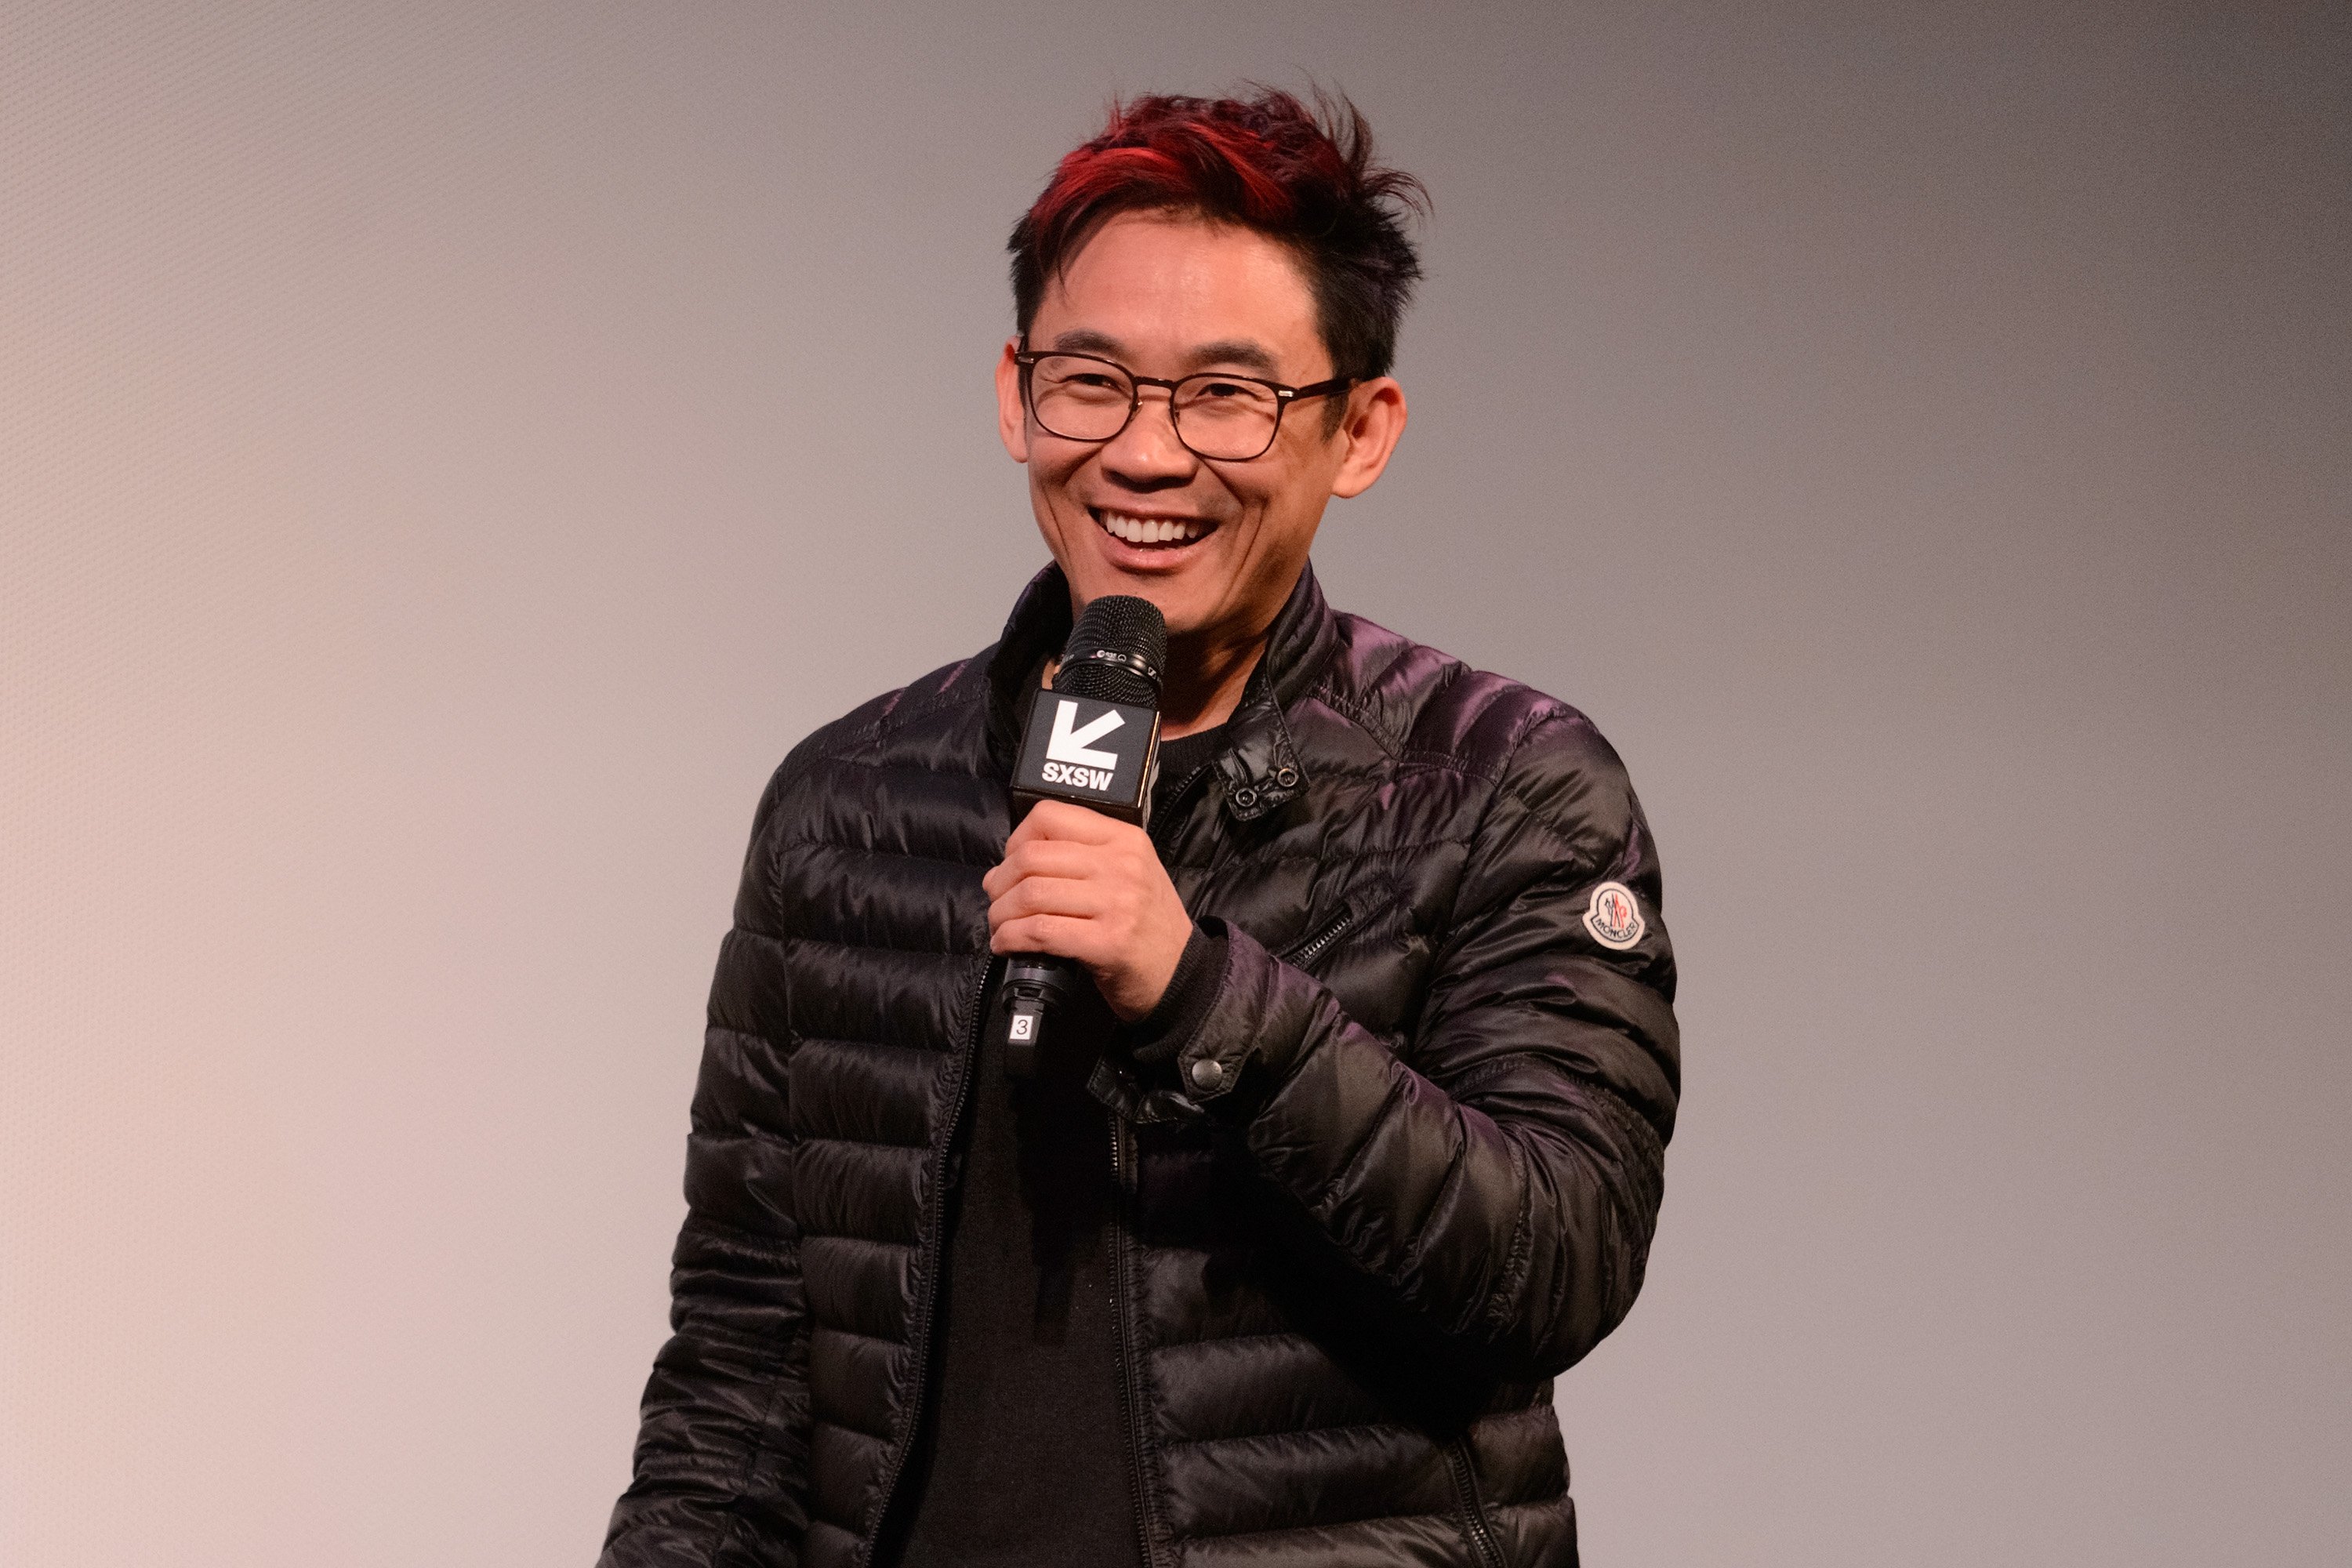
[(1303, 954), (1130, 1393), (1474, 1513), (1130, 1396), (919, 1339)]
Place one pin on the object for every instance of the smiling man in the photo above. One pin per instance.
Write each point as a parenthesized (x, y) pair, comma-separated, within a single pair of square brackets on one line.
[(1365, 1140)]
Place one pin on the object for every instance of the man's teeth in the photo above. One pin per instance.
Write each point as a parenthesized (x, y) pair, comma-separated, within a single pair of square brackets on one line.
[(1149, 530)]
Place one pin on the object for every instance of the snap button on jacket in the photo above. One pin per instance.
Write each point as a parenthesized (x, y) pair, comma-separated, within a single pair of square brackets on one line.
[(1404, 1171)]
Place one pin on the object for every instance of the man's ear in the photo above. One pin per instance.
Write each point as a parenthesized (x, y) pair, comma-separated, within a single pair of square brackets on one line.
[(1370, 427), (1011, 418)]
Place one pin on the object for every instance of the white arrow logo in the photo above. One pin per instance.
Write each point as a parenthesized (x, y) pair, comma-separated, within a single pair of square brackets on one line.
[(1071, 745)]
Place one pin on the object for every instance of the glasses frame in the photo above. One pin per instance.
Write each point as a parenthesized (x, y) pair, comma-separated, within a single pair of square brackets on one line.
[(1283, 397)]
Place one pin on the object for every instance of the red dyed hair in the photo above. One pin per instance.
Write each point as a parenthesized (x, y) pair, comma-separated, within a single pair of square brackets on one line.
[(1305, 177)]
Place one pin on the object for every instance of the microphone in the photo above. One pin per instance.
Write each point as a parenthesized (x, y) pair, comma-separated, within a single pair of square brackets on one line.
[(1092, 740)]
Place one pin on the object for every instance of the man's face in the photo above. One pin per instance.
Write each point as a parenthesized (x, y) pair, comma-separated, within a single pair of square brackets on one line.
[(1169, 296)]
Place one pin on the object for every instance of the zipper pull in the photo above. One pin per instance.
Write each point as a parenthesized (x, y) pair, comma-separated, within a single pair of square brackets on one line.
[(1300, 954)]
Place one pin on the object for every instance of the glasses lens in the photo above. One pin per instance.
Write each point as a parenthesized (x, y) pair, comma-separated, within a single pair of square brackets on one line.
[(1079, 399), (1219, 416)]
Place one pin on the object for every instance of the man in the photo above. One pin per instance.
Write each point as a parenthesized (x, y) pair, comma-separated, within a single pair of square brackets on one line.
[(1366, 1139)]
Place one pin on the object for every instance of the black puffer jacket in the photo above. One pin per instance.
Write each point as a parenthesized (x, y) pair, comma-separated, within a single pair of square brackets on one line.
[(1420, 1180)]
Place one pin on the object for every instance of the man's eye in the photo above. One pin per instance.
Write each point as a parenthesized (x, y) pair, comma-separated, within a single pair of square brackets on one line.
[(1215, 389)]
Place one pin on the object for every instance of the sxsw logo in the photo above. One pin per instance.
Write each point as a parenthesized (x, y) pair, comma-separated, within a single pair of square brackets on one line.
[(1096, 753), (1071, 756)]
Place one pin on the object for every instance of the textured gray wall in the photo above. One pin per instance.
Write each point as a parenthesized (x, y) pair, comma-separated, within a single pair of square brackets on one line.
[(1918, 434)]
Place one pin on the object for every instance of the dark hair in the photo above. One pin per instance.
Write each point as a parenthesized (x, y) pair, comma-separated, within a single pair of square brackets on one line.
[(1305, 177)]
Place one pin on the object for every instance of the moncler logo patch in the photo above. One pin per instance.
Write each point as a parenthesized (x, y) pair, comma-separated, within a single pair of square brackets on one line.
[(1613, 918)]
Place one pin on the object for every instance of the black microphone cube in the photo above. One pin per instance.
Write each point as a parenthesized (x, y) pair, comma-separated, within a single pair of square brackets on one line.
[(1090, 753)]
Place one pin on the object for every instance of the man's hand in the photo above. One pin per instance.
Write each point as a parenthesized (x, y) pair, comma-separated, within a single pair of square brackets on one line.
[(1083, 885)]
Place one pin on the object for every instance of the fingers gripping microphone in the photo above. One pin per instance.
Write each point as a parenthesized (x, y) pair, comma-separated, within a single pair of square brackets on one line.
[(1092, 740)]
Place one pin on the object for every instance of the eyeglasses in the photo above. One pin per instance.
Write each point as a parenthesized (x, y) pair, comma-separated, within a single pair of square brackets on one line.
[(1219, 416)]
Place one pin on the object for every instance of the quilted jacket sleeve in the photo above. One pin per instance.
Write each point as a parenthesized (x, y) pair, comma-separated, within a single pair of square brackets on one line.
[(1498, 1176), (722, 1448)]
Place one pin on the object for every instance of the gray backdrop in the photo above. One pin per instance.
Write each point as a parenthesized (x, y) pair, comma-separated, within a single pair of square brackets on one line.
[(449, 451)]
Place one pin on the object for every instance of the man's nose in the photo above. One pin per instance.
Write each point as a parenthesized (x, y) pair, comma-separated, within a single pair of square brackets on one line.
[(1148, 448)]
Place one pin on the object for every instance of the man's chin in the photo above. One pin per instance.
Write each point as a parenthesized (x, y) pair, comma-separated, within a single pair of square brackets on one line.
[(1177, 581), (1178, 599)]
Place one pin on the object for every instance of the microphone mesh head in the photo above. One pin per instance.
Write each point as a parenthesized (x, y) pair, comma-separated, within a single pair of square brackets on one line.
[(1131, 629)]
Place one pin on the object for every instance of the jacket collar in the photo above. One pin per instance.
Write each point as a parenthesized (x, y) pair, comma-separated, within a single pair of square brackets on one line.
[(1260, 764)]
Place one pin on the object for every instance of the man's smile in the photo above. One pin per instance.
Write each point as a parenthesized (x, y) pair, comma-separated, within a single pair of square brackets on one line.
[(1157, 534)]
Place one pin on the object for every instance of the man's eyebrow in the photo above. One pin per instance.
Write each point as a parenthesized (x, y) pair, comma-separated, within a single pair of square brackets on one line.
[(1235, 351), (1239, 351), (1087, 341)]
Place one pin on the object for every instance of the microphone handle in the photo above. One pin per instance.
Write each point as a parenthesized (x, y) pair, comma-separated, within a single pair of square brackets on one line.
[(1034, 983)]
